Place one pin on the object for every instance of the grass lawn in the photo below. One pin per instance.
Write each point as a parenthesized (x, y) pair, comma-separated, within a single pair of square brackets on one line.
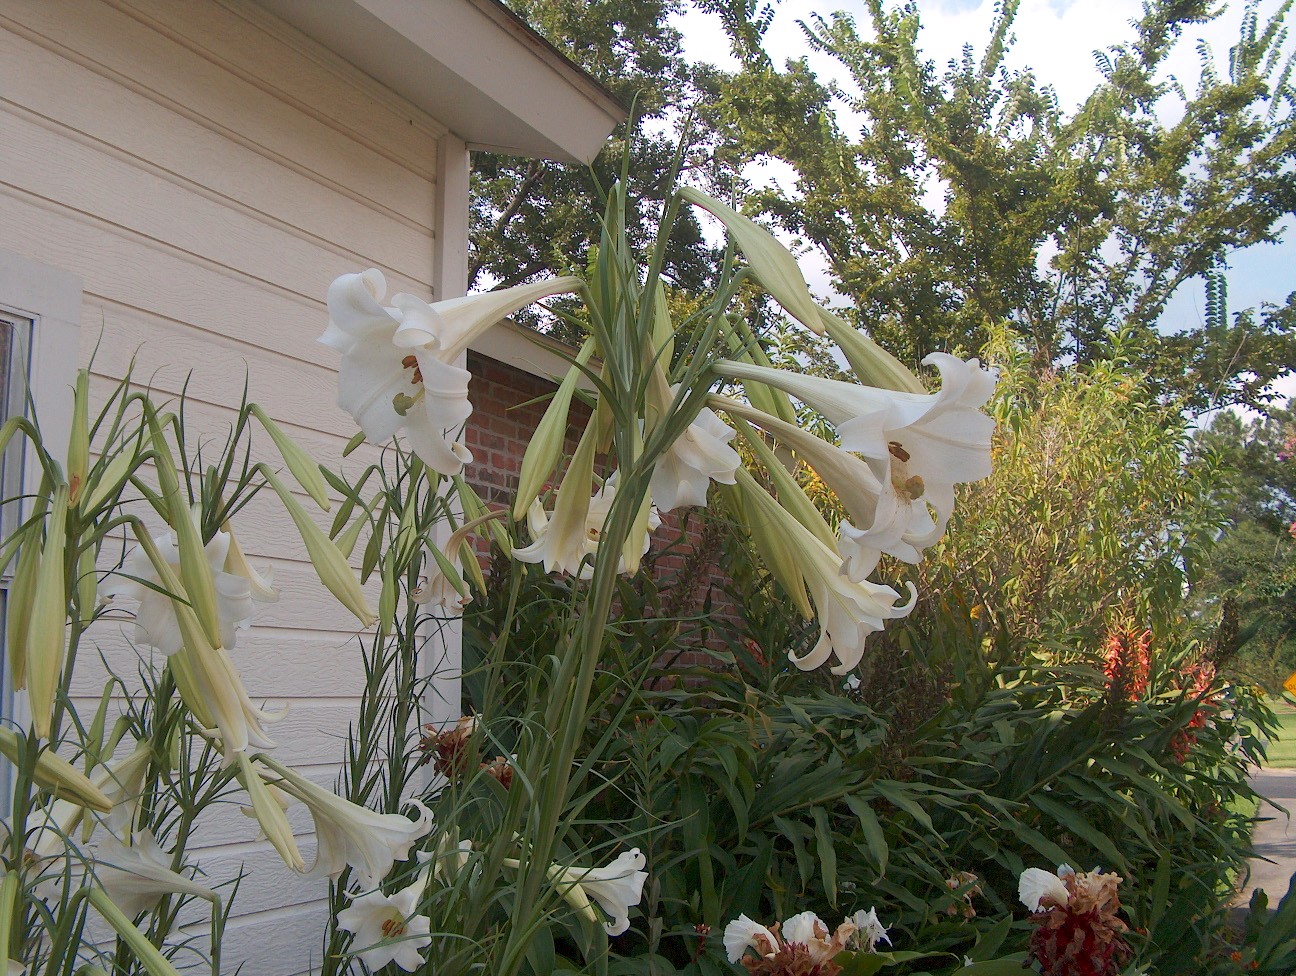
[(1282, 748)]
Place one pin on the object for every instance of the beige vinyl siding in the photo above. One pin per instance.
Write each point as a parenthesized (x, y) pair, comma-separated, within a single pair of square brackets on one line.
[(207, 172)]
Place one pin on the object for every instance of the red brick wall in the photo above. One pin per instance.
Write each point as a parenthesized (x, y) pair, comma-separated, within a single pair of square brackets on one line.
[(503, 419)]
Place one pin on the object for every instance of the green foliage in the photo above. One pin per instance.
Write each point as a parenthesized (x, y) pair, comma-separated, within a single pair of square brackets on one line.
[(1250, 577), (1070, 228)]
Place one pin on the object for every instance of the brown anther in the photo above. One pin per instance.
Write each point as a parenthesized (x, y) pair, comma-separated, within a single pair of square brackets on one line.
[(411, 362), (897, 452), (393, 927)]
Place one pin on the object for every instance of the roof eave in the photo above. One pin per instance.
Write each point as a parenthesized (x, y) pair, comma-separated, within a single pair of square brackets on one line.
[(471, 64)]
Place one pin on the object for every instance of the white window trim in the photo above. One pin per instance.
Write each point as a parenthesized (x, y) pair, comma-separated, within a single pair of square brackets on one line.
[(51, 299)]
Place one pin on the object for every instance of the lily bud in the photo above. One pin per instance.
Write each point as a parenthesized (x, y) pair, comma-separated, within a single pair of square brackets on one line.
[(155, 964), (192, 635), (56, 775), (303, 467), (78, 456), (545, 447), (873, 365), (19, 605), (195, 571), (346, 542), (773, 264), (328, 560), (270, 814), (87, 583), (112, 477), (47, 628), (474, 509)]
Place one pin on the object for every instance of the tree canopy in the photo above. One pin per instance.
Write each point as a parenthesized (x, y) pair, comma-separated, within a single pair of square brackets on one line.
[(950, 201)]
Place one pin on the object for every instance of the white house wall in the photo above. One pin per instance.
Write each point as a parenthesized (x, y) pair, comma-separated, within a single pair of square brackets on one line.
[(207, 172)]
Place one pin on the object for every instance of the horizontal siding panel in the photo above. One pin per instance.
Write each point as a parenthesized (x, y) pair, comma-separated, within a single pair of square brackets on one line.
[(260, 48), (136, 55), (183, 287), (97, 183), (165, 353), (51, 87), (276, 663)]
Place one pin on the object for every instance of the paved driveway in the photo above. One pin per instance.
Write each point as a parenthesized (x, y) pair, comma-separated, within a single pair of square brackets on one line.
[(1274, 839)]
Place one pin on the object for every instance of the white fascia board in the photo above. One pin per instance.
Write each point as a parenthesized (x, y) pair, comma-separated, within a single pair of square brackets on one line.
[(528, 350), (471, 65)]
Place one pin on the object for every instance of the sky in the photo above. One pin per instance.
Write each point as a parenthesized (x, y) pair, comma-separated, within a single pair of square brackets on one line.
[(1056, 39)]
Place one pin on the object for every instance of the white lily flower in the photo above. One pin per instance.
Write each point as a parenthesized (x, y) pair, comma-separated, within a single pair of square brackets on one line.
[(804, 927), (922, 444), (136, 877), (349, 834), (890, 523), (869, 931), (211, 686), (238, 589), (437, 589), (742, 934), (697, 457), (563, 544), (388, 927), (1036, 887), (848, 610), (615, 888), (398, 363)]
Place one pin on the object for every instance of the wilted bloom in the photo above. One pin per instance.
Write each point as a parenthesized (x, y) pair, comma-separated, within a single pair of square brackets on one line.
[(136, 877), (239, 588), (448, 748), (802, 946), (388, 928), (398, 363), (966, 882), (615, 888), (1078, 931), (869, 931), (700, 455), (349, 834)]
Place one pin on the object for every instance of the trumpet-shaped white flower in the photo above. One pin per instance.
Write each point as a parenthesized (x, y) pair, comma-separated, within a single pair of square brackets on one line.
[(349, 834), (697, 457), (398, 363), (437, 589), (920, 445), (1038, 888), (742, 934), (615, 888), (388, 927), (136, 877), (239, 588), (887, 522), (869, 930), (848, 610), (213, 689), (563, 545)]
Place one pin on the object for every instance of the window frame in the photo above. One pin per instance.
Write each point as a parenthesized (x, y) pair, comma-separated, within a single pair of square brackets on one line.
[(50, 299)]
